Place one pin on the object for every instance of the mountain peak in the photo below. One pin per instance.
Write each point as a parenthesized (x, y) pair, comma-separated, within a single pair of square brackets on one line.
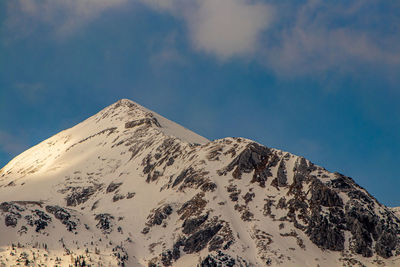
[(128, 104), (125, 101), (133, 114), (123, 118), (128, 187)]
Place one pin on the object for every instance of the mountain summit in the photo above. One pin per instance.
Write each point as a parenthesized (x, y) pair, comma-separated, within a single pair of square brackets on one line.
[(129, 187)]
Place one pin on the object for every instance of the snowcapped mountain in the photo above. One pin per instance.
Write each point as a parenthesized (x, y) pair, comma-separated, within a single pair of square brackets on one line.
[(129, 187)]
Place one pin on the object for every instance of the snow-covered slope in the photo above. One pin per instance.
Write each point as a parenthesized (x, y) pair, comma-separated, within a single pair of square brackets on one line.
[(130, 187)]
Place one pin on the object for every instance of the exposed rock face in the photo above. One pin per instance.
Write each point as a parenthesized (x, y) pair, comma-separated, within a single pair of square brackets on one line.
[(254, 157), (324, 196), (80, 195), (105, 222), (129, 188), (367, 227), (321, 212), (157, 217), (192, 207), (63, 215), (199, 240), (325, 234), (146, 121), (112, 187), (40, 219), (281, 175), (386, 244), (11, 220), (219, 260), (342, 183), (190, 225)]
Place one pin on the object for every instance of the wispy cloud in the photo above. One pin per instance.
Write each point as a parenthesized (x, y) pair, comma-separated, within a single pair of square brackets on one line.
[(63, 16), (295, 38), (291, 38), (325, 35)]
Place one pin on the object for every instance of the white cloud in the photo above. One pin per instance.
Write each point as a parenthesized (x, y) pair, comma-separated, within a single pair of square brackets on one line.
[(224, 28), (227, 28), (331, 36), (65, 16), (291, 38)]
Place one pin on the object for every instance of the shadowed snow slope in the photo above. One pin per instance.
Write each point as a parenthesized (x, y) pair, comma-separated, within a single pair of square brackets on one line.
[(129, 187)]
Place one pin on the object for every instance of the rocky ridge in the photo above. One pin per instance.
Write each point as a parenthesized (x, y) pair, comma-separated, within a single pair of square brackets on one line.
[(128, 187)]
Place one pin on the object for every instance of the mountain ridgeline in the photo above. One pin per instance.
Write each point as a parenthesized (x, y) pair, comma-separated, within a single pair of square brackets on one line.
[(128, 187)]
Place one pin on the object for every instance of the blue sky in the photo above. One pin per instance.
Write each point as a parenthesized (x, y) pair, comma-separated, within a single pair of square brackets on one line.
[(317, 78)]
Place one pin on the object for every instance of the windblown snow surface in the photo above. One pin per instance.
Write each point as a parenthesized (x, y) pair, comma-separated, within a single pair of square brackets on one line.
[(128, 187)]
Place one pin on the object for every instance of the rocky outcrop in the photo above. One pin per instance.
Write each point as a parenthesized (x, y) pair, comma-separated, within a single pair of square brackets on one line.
[(63, 215), (145, 121), (112, 187), (282, 174), (13, 213), (253, 157), (79, 195), (386, 243), (11, 219), (325, 234), (190, 178), (367, 227), (323, 195), (39, 219), (192, 224), (222, 259), (105, 222), (199, 240), (192, 207), (159, 215)]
